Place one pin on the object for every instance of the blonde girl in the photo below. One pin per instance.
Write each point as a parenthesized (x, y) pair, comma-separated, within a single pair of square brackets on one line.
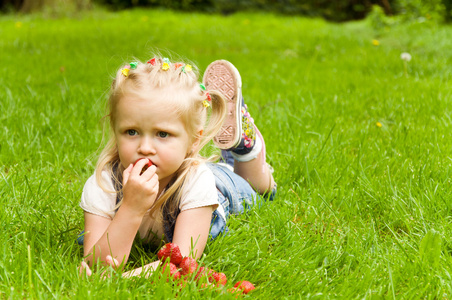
[(161, 115)]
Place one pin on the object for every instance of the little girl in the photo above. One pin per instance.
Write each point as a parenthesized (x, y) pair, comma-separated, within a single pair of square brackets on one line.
[(159, 116)]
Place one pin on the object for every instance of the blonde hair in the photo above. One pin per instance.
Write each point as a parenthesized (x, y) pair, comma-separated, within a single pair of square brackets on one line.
[(186, 97)]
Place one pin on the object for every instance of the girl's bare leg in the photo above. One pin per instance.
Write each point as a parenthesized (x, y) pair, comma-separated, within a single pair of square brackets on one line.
[(250, 164), (257, 173)]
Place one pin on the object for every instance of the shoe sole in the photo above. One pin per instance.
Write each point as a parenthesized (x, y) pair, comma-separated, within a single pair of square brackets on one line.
[(223, 77)]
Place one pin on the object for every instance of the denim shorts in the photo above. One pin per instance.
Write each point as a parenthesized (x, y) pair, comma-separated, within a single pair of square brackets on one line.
[(235, 194)]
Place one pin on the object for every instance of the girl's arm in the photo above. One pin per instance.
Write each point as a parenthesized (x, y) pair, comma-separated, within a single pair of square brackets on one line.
[(115, 237), (192, 230), (190, 234), (109, 237)]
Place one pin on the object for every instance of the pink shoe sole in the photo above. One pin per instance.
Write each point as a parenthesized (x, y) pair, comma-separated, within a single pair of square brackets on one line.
[(223, 77)]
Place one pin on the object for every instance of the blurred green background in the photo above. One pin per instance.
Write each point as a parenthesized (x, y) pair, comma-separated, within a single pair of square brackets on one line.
[(337, 10)]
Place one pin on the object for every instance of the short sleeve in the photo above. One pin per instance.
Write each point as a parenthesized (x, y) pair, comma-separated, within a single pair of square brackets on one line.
[(200, 190), (97, 201)]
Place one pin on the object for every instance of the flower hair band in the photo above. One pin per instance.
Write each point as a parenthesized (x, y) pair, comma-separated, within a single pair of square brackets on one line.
[(166, 65)]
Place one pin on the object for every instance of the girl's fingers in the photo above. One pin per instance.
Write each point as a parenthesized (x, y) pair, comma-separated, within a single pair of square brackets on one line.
[(113, 262), (152, 179), (126, 174), (136, 169), (84, 268), (149, 173)]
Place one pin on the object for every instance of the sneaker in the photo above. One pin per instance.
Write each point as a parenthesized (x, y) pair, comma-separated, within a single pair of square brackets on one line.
[(247, 142), (248, 132), (223, 77)]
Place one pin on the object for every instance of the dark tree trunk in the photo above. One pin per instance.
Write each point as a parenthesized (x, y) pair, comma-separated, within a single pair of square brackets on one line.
[(386, 7), (11, 4), (31, 5), (448, 8)]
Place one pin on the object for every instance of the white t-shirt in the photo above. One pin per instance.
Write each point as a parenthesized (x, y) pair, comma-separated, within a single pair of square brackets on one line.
[(199, 191)]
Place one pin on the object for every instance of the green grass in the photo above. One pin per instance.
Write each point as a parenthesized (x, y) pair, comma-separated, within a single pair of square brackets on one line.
[(354, 201)]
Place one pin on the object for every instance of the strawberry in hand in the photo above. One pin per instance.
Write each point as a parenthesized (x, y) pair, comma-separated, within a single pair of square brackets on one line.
[(140, 189), (146, 166)]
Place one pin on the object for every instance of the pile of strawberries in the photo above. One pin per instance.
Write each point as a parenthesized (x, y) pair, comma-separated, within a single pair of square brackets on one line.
[(184, 267)]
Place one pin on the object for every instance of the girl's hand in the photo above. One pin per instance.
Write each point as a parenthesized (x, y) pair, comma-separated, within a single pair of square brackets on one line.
[(140, 191), (85, 269), (146, 270)]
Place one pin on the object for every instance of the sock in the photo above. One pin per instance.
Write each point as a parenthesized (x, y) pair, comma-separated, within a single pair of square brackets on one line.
[(257, 148)]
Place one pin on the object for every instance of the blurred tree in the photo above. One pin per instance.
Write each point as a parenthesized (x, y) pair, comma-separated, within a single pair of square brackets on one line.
[(337, 10), (27, 6), (14, 5), (386, 6), (447, 10), (31, 5)]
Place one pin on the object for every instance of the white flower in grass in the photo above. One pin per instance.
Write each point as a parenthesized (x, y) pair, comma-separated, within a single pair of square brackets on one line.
[(405, 56)]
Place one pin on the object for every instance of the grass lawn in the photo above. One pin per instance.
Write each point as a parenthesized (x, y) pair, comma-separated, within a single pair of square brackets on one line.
[(360, 143)]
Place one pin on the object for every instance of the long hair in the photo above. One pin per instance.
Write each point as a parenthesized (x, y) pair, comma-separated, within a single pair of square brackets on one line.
[(186, 97)]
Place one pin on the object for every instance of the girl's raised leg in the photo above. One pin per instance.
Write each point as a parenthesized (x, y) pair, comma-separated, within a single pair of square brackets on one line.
[(239, 137)]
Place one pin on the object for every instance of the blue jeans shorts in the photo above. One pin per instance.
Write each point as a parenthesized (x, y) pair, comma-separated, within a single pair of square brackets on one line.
[(235, 194)]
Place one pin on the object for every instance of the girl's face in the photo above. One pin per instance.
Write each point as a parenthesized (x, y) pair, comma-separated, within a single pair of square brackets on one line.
[(143, 130)]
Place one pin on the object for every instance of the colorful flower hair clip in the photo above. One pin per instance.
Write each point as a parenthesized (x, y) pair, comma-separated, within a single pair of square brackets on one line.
[(177, 65), (165, 65), (152, 61), (125, 71), (208, 99), (133, 65), (202, 86), (187, 68)]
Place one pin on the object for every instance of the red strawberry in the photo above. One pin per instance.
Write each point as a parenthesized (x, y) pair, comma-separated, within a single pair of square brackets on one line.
[(204, 272), (146, 166), (174, 272), (182, 284), (246, 286), (170, 251), (206, 285), (234, 290), (220, 278), (188, 266), (201, 273)]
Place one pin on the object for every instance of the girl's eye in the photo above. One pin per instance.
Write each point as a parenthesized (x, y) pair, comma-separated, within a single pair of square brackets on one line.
[(132, 132), (163, 134)]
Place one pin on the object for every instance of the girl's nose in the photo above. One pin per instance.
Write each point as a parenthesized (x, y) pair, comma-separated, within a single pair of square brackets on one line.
[(146, 146)]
